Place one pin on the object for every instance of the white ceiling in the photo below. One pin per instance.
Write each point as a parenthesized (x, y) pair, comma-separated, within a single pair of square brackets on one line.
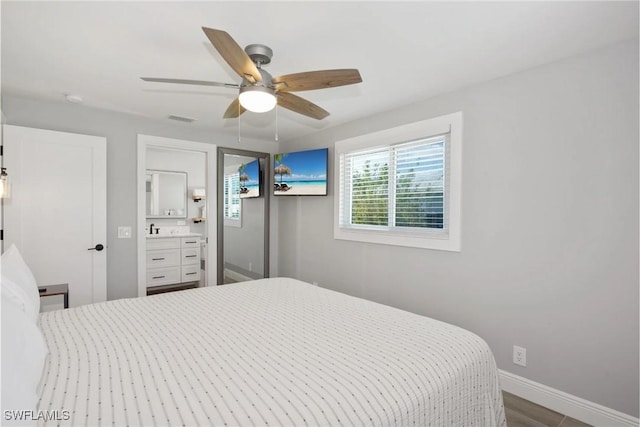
[(406, 52)]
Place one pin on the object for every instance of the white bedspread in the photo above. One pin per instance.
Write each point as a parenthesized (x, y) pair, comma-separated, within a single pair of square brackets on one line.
[(276, 352)]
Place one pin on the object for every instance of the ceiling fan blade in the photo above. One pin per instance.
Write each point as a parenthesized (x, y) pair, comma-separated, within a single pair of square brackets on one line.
[(311, 80), (300, 105), (234, 110), (233, 54), (189, 82)]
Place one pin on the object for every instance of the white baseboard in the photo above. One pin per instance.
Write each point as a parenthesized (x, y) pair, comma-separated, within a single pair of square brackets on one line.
[(573, 406), (239, 277)]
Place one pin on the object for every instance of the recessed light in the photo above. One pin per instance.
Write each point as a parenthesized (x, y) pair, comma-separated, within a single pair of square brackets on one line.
[(76, 99)]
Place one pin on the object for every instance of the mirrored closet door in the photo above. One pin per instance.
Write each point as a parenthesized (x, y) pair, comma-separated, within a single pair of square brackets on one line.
[(243, 215)]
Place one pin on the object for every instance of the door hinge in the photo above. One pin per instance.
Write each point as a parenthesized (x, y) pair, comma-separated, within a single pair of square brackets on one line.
[(1, 234)]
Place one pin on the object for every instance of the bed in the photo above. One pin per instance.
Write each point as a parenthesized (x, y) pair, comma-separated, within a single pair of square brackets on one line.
[(276, 352)]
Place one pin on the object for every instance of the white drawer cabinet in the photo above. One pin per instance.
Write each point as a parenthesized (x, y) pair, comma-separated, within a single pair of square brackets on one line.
[(190, 242), (191, 256), (163, 258), (190, 273), (173, 260), (163, 243), (163, 276)]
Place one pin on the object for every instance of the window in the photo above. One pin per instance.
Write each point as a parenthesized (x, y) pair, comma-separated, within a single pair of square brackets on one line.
[(401, 186), (232, 205)]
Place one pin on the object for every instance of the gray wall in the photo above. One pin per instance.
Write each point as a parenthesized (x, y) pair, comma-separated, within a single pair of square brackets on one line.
[(121, 131), (549, 255)]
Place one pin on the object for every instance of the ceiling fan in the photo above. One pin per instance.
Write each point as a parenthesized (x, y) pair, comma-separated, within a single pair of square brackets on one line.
[(259, 91)]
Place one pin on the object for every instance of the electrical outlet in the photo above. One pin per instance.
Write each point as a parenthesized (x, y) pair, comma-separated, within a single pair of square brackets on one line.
[(519, 355)]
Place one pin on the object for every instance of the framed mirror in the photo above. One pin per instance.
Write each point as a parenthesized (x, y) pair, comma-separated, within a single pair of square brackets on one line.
[(166, 194), (243, 215)]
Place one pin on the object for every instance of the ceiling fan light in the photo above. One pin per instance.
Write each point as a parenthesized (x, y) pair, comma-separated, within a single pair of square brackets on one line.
[(257, 99)]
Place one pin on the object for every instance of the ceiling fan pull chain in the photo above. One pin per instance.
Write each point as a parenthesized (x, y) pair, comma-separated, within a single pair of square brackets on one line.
[(276, 121), (239, 122)]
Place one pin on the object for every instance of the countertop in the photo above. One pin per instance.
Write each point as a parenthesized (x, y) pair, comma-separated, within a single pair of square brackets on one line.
[(164, 236)]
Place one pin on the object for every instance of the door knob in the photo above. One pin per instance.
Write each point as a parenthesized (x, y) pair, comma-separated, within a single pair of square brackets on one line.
[(98, 248)]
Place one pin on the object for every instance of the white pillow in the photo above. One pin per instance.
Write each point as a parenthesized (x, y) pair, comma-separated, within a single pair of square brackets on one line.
[(18, 283), (23, 355)]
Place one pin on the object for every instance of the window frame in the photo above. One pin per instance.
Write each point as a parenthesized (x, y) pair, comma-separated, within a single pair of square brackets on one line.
[(450, 124)]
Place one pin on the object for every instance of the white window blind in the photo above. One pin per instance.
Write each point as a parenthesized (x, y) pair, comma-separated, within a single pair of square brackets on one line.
[(399, 187), (232, 196)]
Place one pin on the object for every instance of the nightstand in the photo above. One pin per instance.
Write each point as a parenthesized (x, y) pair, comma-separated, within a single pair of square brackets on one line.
[(51, 290)]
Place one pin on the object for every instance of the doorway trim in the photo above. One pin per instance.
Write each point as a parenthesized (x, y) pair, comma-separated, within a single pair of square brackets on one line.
[(210, 151)]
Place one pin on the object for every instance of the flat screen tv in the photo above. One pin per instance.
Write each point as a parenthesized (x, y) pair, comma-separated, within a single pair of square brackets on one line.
[(249, 176), (301, 173)]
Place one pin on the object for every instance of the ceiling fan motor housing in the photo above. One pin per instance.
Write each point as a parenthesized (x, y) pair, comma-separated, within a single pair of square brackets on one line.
[(265, 82), (260, 96), (259, 54)]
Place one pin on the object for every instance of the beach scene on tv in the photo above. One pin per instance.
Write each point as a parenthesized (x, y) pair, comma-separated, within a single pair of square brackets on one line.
[(302, 173), (249, 176)]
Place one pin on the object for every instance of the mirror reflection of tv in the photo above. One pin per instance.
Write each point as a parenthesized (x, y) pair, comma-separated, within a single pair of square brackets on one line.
[(249, 175), (301, 173)]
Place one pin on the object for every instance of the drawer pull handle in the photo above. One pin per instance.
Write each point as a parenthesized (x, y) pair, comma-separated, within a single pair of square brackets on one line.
[(157, 259), (192, 242), (158, 277), (189, 274), (190, 256)]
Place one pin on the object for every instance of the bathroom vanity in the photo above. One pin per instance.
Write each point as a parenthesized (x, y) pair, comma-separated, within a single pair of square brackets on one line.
[(173, 262)]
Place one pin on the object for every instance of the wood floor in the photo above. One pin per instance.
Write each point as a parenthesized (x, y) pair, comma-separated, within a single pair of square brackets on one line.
[(522, 413)]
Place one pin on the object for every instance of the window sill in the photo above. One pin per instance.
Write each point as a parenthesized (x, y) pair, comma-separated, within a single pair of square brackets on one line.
[(423, 241)]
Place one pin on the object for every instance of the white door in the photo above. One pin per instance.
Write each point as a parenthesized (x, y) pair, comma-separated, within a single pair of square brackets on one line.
[(56, 212)]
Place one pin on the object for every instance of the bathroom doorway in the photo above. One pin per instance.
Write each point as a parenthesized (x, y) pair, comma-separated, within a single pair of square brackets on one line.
[(176, 194)]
